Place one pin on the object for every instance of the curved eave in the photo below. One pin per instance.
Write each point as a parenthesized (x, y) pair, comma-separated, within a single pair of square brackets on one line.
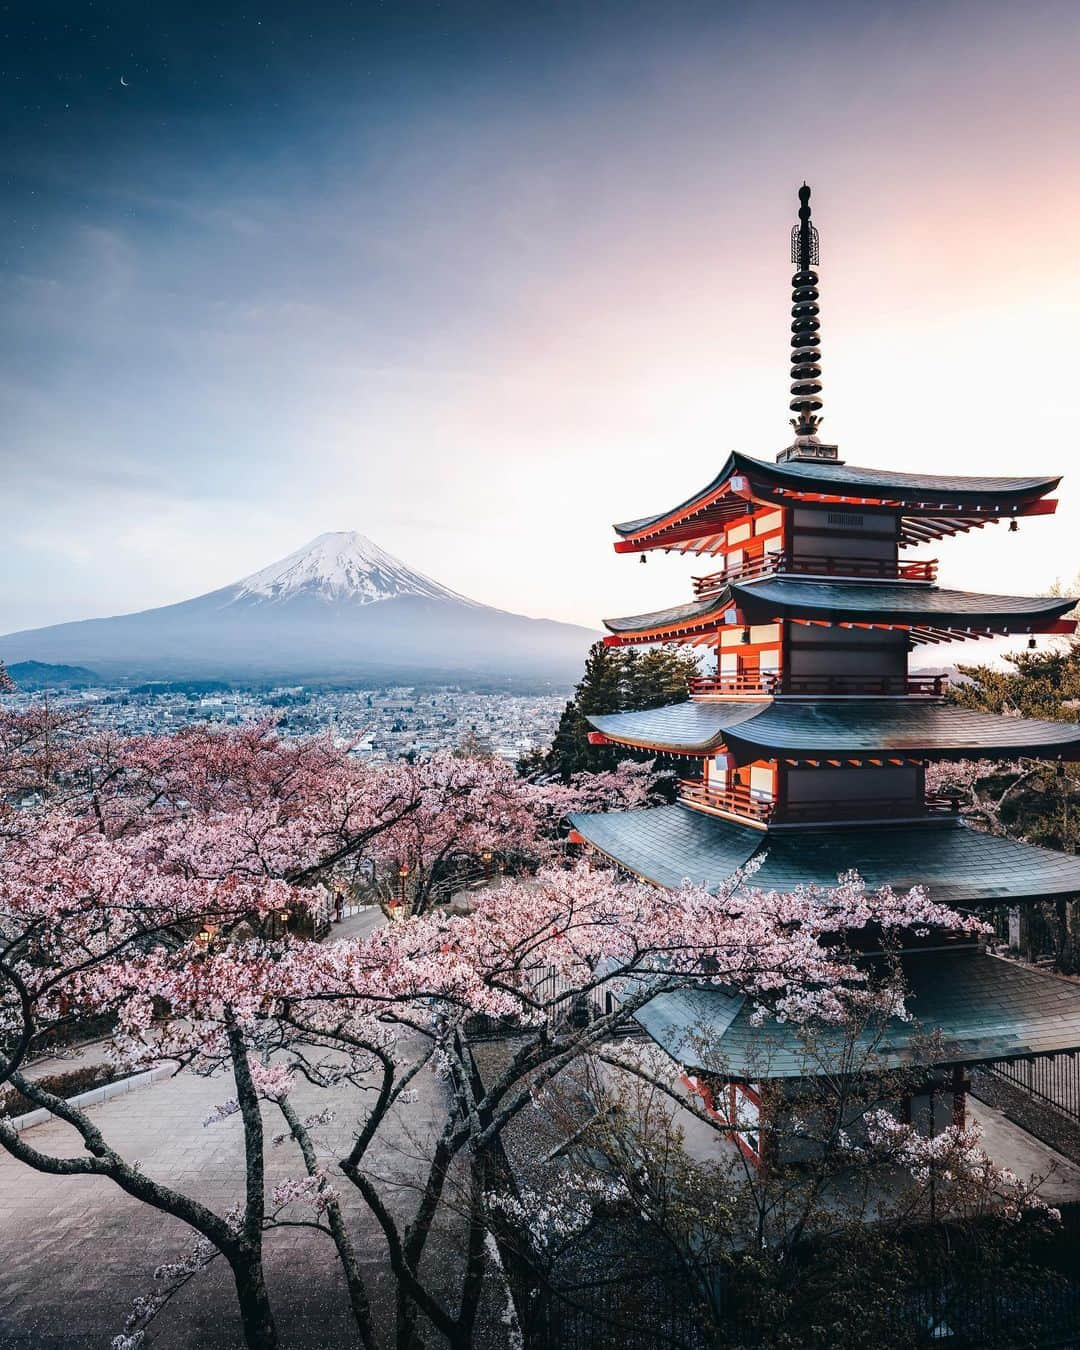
[(629, 529), (668, 844), (915, 728), (662, 625), (896, 604), (916, 495), (841, 730), (981, 1009), (696, 729), (913, 491), (869, 603)]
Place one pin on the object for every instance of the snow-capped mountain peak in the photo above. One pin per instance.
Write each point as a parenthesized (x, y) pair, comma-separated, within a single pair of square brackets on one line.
[(340, 566)]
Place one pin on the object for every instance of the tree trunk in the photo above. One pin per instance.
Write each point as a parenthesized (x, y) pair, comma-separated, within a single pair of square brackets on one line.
[(260, 1330), (358, 1297), (1061, 916)]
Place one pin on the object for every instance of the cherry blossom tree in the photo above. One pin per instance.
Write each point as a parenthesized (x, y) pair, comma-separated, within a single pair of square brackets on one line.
[(629, 786), (856, 1216), (524, 955), (151, 888), (479, 807), (979, 788)]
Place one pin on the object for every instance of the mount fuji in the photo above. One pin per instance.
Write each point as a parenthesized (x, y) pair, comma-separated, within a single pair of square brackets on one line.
[(338, 609)]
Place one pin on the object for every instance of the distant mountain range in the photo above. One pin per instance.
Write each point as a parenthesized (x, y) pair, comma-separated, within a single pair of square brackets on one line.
[(341, 608), (39, 675)]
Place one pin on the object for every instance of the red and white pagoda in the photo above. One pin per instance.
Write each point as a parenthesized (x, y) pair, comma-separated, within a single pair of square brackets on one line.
[(806, 743)]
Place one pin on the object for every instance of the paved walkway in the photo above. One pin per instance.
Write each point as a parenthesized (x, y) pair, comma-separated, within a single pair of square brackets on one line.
[(74, 1251), (1011, 1146), (358, 924)]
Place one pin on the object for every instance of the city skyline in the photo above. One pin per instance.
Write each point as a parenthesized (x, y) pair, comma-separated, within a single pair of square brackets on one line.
[(355, 270)]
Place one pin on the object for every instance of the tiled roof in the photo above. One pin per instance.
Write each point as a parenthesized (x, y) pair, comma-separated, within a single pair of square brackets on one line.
[(957, 864), (848, 726), (880, 602), (983, 1008), (680, 727), (847, 479), (694, 611), (891, 602), (895, 482)]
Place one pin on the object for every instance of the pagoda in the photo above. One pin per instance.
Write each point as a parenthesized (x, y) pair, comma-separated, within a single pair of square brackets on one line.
[(807, 740)]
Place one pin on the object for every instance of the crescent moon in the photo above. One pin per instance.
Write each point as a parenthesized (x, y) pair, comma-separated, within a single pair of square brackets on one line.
[(124, 82)]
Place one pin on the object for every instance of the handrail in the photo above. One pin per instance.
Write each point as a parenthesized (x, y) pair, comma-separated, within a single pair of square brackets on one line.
[(823, 565), (739, 800), (917, 569), (766, 565), (760, 682), (772, 682)]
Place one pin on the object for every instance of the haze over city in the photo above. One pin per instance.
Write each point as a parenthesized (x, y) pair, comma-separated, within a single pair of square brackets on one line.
[(478, 280)]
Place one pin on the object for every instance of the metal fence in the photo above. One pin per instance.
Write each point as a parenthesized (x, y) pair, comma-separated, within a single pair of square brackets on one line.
[(1053, 1080), (957, 1307)]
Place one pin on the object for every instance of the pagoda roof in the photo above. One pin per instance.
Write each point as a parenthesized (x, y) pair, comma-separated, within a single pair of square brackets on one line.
[(941, 613), (892, 602), (909, 494), (682, 728), (960, 866), (983, 1008), (844, 727)]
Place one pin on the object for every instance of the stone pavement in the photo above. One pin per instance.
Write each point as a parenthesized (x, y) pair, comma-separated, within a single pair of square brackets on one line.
[(359, 923), (74, 1251), (1011, 1146)]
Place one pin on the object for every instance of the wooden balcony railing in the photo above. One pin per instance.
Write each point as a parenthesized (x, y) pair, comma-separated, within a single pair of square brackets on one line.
[(744, 571), (771, 682), (919, 569), (922, 569), (759, 682), (739, 801)]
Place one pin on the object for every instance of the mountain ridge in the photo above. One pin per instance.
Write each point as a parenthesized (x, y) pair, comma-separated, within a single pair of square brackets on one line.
[(342, 564), (340, 605)]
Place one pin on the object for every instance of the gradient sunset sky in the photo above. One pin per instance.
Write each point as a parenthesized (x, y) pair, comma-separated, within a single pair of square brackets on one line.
[(479, 279)]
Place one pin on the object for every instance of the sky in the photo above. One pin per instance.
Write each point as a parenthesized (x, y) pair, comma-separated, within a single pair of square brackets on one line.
[(479, 279)]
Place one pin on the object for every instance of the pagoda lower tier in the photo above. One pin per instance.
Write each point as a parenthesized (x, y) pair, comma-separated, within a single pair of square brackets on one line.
[(958, 865), (852, 730), (983, 1008)]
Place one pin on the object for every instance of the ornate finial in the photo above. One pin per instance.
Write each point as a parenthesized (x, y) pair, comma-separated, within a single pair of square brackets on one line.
[(805, 338)]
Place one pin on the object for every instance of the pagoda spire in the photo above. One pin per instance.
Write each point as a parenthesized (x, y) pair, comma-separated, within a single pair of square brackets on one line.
[(805, 335), (805, 340)]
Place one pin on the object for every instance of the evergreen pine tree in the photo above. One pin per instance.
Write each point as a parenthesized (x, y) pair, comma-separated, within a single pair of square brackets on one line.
[(660, 676), (616, 680), (1040, 684), (600, 690)]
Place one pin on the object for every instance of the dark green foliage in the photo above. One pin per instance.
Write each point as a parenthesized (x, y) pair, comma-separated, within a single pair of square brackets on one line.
[(40, 675), (1042, 801), (1033, 800), (616, 679), (1040, 684)]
